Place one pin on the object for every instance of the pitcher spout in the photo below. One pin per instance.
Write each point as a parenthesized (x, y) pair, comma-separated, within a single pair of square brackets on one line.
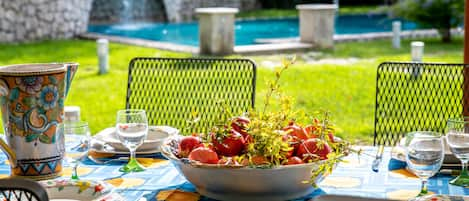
[(71, 70)]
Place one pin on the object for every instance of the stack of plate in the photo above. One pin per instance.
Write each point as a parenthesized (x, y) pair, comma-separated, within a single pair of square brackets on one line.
[(107, 140), (450, 161)]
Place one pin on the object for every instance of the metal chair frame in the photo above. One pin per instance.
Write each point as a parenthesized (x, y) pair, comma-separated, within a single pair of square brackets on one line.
[(21, 189), (417, 96), (170, 89)]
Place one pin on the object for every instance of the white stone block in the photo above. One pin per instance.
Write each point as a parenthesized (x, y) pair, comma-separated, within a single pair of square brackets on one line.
[(216, 30), (317, 24)]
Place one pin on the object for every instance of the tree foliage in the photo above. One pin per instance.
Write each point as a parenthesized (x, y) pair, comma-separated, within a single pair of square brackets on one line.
[(439, 14)]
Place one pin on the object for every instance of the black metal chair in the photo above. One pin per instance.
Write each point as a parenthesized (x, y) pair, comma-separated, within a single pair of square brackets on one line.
[(171, 89), (417, 96), (14, 189)]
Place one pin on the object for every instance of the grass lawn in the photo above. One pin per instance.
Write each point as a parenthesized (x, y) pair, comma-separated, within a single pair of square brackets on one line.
[(342, 85)]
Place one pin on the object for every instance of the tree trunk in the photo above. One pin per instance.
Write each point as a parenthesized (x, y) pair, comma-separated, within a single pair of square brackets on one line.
[(445, 35)]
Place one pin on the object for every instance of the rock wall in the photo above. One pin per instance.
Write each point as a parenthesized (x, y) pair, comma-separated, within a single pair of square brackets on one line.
[(183, 10), (116, 11), (30, 20)]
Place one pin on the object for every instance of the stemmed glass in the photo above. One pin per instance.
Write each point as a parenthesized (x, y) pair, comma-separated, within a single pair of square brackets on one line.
[(424, 155), (132, 129), (457, 137), (78, 138)]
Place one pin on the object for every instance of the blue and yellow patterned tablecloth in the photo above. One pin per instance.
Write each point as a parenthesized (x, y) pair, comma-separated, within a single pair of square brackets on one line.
[(353, 177)]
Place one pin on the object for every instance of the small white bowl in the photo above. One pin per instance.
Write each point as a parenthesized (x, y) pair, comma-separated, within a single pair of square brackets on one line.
[(155, 137), (66, 189)]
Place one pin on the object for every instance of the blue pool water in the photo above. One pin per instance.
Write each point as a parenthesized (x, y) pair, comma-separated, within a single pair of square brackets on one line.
[(246, 31)]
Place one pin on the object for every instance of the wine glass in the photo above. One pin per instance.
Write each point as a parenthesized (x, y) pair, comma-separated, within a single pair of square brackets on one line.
[(77, 135), (424, 155), (132, 129), (457, 137)]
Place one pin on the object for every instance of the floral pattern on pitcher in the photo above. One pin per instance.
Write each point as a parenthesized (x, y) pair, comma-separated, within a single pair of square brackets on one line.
[(36, 102)]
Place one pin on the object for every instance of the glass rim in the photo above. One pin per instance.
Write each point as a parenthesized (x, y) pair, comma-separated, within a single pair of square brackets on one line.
[(461, 119), (131, 111), (425, 133), (75, 124)]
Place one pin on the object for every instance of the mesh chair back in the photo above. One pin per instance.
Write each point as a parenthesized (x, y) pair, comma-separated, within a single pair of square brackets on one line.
[(417, 96), (14, 189), (171, 89)]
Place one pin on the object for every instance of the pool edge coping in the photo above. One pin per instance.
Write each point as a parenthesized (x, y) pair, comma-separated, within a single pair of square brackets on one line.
[(280, 45)]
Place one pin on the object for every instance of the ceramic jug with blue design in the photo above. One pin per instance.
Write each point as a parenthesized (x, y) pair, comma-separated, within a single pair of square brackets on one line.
[(32, 103)]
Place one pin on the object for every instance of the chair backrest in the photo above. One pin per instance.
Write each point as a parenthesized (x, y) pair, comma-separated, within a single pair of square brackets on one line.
[(417, 96), (12, 189), (171, 89)]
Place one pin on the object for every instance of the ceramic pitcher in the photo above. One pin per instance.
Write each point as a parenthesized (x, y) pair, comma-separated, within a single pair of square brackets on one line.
[(32, 103)]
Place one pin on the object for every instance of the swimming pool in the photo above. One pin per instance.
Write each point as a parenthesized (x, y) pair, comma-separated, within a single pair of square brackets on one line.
[(246, 31)]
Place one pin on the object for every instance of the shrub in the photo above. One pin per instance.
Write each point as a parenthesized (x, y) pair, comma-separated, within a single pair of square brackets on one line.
[(438, 14)]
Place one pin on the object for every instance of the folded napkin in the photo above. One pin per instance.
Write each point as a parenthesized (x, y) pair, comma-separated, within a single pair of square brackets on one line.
[(397, 160), (395, 164)]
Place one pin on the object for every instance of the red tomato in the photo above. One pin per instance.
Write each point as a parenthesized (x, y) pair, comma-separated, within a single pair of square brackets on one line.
[(259, 160), (187, 144), (256, 160), (294, 160), (310, 147), (292, 143), (227, 161), (232, 145), (296, 131), (310, 130), (204, 155), (331, 137), (239, 124)]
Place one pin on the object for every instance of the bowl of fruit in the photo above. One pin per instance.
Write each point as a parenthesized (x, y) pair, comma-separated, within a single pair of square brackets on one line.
[(239, 162), (268, 154)]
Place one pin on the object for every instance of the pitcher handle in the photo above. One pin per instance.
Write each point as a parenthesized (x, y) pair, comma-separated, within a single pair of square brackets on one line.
[(4, 92)]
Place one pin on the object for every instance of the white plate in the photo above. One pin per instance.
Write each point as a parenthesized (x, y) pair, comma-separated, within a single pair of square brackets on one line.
[(112, 151), (66, 189), (156, 135)]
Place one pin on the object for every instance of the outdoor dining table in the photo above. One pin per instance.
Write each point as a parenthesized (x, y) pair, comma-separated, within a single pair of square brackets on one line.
[(351, 177)]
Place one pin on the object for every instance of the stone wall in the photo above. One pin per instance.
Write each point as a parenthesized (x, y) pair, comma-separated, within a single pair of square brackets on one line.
[(116, 11), (183, 10), (30, 20)]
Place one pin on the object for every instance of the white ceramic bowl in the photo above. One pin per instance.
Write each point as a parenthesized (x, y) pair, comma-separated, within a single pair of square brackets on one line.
[(65, 189), (244, 183), (155, 137)]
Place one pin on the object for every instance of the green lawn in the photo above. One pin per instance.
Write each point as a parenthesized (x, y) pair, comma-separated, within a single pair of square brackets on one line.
[(342, 85)]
